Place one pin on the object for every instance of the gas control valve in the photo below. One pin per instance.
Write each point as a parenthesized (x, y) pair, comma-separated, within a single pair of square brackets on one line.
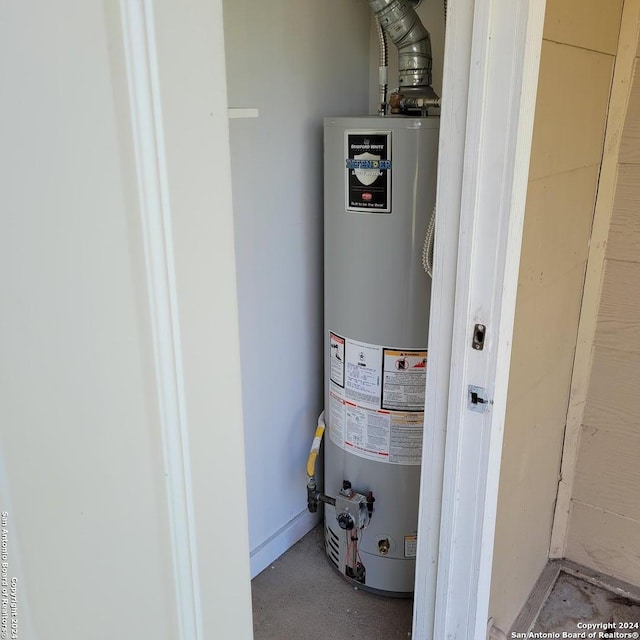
[(353, 509)]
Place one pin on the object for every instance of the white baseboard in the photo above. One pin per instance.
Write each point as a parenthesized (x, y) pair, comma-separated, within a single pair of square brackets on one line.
[(282, 540)]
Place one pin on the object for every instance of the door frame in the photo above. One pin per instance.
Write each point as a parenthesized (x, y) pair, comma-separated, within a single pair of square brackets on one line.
[(175, 68), (491, 66), (492, 57)]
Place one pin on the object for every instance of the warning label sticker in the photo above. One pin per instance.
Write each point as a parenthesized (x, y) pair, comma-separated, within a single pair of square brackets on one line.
[(410, 546), (336, 419), (337, 359), (363, 431), (406, 437), (404, 379), (367, 431), (359, 421)]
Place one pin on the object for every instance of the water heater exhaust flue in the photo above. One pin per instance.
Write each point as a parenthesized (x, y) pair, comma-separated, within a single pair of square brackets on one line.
[(399, 20)]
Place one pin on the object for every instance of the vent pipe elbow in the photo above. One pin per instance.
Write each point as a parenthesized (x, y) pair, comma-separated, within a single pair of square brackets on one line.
[(400, 21)]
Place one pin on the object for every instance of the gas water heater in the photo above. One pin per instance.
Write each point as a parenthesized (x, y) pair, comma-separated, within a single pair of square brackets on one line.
[(379, 194)]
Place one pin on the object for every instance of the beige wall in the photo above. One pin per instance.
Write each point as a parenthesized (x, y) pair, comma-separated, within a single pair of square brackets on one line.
[(604, 524), (578, 53)]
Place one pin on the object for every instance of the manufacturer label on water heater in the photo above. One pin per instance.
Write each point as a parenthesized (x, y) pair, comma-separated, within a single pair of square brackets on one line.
[(376, 400), (368, 171)]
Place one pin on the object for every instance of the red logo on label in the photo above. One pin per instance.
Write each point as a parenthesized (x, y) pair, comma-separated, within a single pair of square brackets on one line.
[(367, 196)]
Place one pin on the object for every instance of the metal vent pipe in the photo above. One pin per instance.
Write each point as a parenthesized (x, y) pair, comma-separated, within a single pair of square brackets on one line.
[(401, 22)]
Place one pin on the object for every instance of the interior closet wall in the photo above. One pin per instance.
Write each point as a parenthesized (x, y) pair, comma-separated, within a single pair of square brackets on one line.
[(293, 62)]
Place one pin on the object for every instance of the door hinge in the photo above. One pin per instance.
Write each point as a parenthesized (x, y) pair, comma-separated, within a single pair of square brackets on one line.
[(478, 399)]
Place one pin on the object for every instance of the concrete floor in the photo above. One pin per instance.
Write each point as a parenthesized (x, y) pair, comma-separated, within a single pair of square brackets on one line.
[(574, 601), (300, 596)]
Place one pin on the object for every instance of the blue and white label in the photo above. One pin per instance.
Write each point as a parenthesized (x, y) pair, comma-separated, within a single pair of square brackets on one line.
[(368, 171)]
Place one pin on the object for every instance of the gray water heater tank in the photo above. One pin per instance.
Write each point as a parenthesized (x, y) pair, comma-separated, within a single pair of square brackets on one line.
[(380, 186)]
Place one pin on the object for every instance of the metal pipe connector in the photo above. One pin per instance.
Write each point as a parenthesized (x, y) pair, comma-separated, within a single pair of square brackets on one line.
[(400, 21), (407, 104), (383, 64)]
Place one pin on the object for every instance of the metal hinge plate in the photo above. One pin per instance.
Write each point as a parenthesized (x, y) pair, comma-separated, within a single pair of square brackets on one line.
[(478, 399)]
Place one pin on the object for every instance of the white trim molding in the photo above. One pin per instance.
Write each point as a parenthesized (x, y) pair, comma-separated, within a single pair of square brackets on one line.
[(282, 540), (146, 120), (499, 77), (243, 113)]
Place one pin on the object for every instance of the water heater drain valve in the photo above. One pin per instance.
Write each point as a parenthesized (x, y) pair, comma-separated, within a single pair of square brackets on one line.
[(353, 509)]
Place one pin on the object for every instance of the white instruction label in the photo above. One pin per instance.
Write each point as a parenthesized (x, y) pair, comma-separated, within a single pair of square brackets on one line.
[(336, 418), (376, 400), (363, 373), (367, 432), (410, 546)]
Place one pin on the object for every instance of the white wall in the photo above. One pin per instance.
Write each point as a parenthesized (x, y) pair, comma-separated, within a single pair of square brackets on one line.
[(81, 460), (193, 100), (296, 61), (82, 472)]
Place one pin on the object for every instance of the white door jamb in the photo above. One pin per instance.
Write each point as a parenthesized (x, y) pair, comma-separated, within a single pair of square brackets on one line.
[(176, 75), (500, 75)]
